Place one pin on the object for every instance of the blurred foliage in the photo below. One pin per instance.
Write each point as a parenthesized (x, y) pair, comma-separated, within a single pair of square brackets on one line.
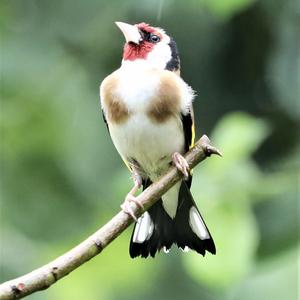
[(61, 177), (226, 9)]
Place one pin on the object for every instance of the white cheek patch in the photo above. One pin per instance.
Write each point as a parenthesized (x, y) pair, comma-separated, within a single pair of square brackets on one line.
[(143, 229), (197, 224), (160, 55)]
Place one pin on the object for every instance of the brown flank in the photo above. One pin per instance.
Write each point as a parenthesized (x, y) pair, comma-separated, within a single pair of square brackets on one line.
[(116, 110), (167, 101)]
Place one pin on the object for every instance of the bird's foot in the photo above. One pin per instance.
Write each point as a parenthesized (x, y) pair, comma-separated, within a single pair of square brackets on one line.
[(127, 208), (181, 164)]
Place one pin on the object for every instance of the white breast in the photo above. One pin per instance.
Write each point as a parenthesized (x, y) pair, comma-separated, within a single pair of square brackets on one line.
[(137, 88), (150, 144)]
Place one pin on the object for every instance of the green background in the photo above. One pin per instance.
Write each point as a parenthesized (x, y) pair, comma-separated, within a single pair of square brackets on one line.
[(61, 178)]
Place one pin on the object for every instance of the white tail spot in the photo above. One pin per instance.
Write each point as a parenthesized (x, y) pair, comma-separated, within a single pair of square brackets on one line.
[(197, 224), (166, 250), (143, 229), (185, 249)]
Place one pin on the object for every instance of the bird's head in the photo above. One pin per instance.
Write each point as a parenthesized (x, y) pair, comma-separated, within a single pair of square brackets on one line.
[(149, 46)]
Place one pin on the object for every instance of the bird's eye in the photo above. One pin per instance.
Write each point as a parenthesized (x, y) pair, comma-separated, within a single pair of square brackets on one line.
[(154, 38)]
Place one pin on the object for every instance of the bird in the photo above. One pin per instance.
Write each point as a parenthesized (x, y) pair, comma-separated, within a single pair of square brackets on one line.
[(148, 110)]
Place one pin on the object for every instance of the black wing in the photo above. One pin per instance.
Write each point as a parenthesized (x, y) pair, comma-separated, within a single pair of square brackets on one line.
[(188, 129), (189, 135)]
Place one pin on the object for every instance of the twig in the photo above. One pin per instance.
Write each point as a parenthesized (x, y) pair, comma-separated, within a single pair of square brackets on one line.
[(44, 277)]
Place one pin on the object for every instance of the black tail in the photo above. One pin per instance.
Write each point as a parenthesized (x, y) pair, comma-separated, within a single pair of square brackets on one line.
[(156, 229)]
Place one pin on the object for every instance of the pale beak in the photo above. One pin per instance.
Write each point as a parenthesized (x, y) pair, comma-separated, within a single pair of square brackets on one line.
[(130, 32)]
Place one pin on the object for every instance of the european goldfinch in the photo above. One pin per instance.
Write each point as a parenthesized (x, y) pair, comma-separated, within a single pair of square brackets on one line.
[(148, 110)]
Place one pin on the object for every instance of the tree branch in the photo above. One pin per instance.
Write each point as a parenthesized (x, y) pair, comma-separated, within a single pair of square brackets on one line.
[(44, 277)]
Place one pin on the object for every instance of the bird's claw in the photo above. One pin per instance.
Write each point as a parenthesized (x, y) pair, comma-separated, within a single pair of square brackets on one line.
[(130, 198), (127, 208), (181, 164)]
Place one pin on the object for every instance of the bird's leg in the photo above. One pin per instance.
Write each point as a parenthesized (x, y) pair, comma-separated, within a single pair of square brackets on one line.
[(126, 206), (181, 164)]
